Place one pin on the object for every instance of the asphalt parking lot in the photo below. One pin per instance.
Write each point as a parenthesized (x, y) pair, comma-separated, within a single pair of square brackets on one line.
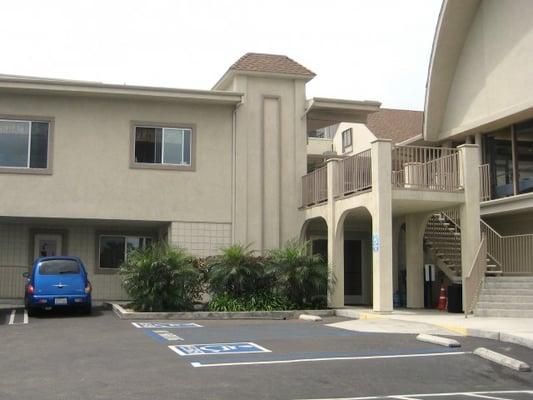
[(70, 356)]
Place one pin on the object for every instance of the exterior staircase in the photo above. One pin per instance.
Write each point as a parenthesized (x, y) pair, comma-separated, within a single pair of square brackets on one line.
[(506, 296), (499, 295), (443, 238)]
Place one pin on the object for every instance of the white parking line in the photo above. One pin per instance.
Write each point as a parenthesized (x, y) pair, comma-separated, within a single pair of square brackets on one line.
[(416, 396), (12, 318), (485, 397), (303, 360)]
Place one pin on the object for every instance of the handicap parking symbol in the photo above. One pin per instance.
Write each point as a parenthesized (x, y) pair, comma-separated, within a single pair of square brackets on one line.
[(218, 348), (165, 325)]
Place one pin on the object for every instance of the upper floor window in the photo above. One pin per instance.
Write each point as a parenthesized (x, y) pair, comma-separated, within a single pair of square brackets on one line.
[(346, 140), (163, 146), (24, 144)]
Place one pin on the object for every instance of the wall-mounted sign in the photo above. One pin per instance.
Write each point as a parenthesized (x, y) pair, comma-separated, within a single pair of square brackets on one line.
[(375, 242)]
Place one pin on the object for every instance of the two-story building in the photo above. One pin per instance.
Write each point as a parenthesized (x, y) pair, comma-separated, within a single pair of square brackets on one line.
[(96, 170)]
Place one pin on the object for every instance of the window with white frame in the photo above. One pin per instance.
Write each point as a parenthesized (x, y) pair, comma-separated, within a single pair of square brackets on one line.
[(347, 140), (161, 145), (114, 249), (24, 144)]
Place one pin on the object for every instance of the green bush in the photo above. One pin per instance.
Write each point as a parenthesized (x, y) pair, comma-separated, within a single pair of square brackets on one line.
[(301, 277), (236, 272), (253, 302), (162, 278)]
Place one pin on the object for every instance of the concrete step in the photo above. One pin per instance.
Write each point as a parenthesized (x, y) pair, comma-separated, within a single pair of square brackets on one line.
[(505, 305), (511, 279), (500, 298), (497, 284), (506, 292), (504, 313)]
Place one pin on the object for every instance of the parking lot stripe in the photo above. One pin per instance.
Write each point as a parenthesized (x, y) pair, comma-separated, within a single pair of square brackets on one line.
[(303, 360), (25, 316), (12, 317), (485, 397), (416, 396)]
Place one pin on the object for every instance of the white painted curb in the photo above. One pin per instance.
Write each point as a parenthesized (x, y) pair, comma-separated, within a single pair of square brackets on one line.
[(502, 359), (442, 341), (307, 317)]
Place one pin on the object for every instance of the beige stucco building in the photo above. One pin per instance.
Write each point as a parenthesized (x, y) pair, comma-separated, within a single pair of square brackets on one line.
[(390, 197)]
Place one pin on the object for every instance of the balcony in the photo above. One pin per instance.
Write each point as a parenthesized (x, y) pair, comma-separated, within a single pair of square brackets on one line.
[(432, 169)]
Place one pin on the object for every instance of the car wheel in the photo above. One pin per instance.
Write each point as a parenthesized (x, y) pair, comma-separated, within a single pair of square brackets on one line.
[(31, 311), (87, 309)]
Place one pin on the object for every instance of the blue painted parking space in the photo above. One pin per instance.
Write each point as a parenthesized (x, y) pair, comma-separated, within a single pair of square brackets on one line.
[(165, 325), (218, 349)]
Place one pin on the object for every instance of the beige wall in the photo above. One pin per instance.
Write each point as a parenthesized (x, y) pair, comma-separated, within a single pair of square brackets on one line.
[(493, 76), (361, 138), (270, 161), (80, 241), (92, 177)]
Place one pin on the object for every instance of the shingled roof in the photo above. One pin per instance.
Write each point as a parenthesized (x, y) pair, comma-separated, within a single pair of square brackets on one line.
[(397, 125), (270, 63)]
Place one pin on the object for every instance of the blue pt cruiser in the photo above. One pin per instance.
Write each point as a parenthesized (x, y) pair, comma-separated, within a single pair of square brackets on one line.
[(57, 282)]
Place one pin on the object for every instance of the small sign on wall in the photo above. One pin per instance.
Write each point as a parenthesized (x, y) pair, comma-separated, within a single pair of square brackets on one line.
[(375, 242)]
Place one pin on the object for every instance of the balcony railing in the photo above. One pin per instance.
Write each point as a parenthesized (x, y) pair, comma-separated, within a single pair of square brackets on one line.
[(484, 182), (354, 174), (426, 168), (315, 187)]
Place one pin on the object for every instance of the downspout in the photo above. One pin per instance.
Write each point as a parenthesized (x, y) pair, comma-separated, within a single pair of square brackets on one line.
[(234, 169)]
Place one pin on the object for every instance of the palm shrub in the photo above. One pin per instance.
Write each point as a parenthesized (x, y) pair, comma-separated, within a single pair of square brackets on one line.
[(237, 272), (300, 276), (161, 278)]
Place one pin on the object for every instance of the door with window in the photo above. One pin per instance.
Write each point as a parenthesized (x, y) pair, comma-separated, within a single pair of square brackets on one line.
[(47, 245)]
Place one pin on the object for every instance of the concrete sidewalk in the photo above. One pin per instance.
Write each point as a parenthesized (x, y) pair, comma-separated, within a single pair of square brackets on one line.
[(512, 330)]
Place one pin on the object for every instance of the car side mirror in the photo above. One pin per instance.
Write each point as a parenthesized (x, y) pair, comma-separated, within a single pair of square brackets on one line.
[(26, 274)]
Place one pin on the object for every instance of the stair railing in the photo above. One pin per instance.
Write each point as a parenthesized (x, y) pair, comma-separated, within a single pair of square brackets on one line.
[(495, 244), (474, 277)]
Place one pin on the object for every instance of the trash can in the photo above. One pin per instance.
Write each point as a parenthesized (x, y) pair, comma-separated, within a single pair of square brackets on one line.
[(455, 298)]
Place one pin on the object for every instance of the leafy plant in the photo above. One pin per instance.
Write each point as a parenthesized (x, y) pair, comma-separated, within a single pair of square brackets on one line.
[(161, 278), (254, 302), (300, 276), (237, 272)]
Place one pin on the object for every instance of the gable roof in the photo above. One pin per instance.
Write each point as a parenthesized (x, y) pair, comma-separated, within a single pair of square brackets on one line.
[(397, 125), (270, 63)]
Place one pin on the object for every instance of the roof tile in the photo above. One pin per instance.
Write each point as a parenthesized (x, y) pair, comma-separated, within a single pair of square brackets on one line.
[(270, 63), (397, 125)]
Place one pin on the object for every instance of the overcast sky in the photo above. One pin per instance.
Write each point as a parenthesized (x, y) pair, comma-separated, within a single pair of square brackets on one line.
[(359, 49)]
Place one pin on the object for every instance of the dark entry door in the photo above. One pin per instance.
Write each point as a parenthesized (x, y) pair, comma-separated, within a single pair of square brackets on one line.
[(353, 272)]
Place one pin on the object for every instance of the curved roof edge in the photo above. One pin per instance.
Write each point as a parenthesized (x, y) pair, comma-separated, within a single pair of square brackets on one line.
[(452, 28)]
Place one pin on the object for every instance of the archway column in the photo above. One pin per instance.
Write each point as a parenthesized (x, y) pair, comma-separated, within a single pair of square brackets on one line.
[(469, 210), (414, 259), (335, 243), (382, 236)]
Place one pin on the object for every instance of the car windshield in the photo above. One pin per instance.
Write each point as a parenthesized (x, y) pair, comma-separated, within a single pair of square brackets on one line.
[(59, 267)]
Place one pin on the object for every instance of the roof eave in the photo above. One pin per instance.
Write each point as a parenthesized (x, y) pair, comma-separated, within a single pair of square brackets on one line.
[(230, 73), (81, 88)]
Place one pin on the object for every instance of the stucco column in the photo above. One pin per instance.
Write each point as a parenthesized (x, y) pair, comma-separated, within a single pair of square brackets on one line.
[(335, 242), (470, 219), (382, 225), (414, 259)]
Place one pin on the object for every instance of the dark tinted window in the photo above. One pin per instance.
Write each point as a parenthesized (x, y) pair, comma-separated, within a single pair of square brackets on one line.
[(112, 251), (59, 267), (39, 145)]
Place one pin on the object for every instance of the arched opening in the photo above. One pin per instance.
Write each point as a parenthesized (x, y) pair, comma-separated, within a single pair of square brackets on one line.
[(315, 231), (355, 229)]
